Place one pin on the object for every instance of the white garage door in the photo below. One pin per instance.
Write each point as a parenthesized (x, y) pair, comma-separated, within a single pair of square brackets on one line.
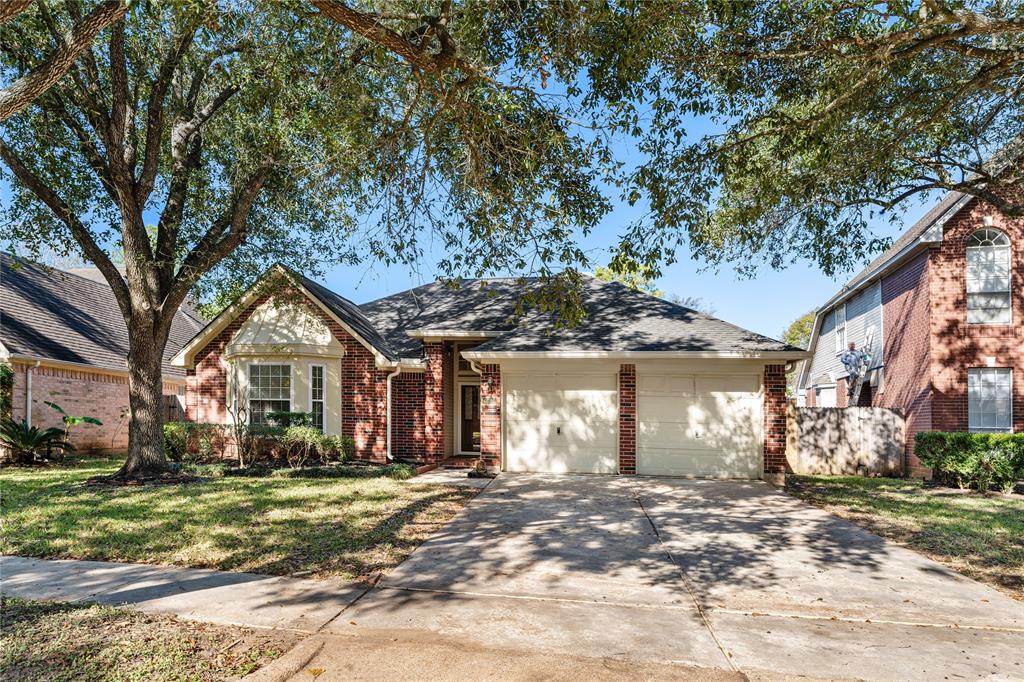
[(560, 422), (699, 425)]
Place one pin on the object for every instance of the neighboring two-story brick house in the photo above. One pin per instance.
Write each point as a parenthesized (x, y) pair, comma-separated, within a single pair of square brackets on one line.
[(941, 314)]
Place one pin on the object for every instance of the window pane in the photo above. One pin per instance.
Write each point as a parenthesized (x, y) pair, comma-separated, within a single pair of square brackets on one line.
[(988, 399), (988, 278)]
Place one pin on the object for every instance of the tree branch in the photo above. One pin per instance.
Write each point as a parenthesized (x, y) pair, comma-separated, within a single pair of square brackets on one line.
[(78, 230), (11, 8), (23, 91), (226, 234), (369, 26), (155, 109)]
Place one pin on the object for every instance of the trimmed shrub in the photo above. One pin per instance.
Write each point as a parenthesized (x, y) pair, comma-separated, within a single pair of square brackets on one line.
[(194, 441), (975, 460)]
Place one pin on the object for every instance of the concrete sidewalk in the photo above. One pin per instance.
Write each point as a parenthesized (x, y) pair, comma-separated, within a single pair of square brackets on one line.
[(198, 594)]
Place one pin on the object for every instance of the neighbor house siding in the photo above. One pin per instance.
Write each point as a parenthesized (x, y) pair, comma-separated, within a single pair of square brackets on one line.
[(863, 320), (906, 382)]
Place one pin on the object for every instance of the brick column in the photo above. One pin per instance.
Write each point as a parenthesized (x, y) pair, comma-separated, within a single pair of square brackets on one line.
[(627, 419), (490, 415), (774, 422), (433, 402)]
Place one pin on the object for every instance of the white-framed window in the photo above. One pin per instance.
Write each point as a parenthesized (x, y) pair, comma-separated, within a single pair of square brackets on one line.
[(990, 399), (825, 396), (988, 278), (840, 331), (316, 395), (270, 390)]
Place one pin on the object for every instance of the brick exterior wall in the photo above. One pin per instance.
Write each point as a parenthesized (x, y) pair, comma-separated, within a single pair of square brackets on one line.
[(407, 434), (490, 415), (957, 346), (627, 419), (775, 416), (433, 402), (906, 383), (363, 387), (80, 392)]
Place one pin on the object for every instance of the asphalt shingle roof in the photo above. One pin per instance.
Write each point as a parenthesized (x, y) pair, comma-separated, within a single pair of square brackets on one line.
[(618, 319), (354, 317), (66, 317), (475, 305)]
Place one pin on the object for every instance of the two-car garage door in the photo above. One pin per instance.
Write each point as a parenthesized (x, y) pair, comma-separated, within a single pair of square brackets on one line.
[(688, 424)]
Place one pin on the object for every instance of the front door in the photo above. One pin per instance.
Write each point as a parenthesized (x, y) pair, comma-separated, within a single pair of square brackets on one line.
[(469, 421)]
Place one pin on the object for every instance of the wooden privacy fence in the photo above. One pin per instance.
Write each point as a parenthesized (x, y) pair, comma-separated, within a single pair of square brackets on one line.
[(847, 440)]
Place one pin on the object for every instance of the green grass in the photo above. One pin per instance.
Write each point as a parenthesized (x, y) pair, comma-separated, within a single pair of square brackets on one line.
[(49, 641), (347, 528), (981, 536)]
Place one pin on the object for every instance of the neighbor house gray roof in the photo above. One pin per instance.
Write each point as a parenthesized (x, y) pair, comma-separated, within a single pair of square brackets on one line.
[(56, 315), (911, 235), (619, 319)]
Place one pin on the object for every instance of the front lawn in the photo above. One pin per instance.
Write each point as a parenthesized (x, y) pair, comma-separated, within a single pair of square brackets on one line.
[(981, 536), (49, 641), (343, 527)]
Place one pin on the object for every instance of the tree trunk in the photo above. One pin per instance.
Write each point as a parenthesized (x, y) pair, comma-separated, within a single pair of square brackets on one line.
[(146, 457)]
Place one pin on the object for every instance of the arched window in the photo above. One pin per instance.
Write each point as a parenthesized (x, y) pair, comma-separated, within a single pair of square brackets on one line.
[(988, 278)]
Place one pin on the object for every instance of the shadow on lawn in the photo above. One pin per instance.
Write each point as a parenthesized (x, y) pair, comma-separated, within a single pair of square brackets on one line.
[(321, 527)]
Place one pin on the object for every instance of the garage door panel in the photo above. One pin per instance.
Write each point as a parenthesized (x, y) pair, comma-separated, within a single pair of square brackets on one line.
[(665, 384), (561, 405), (728, 384), (561, 422), (700, 463), (709, 427)]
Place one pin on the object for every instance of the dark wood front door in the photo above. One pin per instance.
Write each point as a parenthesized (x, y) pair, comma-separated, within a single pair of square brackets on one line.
[(469, 422)]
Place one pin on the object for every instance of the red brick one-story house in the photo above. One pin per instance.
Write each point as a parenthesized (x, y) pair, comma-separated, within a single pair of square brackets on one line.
[(437, 373), (942, 314), (64, 336)]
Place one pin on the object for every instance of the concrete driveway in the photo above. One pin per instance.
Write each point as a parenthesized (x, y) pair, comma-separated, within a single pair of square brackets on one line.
[(717, 574)]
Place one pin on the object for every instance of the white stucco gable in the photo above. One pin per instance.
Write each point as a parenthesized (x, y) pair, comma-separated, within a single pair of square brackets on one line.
[(283, 327)]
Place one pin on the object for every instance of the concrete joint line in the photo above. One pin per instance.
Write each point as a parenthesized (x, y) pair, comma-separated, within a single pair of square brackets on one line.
[(349, 605), (686, 583), (526, 597), (868, 621)]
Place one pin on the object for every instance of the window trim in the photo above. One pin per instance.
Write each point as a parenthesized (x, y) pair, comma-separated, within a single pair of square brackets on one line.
[(840, 342), (1009, 279), (834, 388), (323, 388), (248, 383), (1009, 373)]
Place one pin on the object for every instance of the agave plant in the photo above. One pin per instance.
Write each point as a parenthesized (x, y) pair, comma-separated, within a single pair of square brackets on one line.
[(29, 442)]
